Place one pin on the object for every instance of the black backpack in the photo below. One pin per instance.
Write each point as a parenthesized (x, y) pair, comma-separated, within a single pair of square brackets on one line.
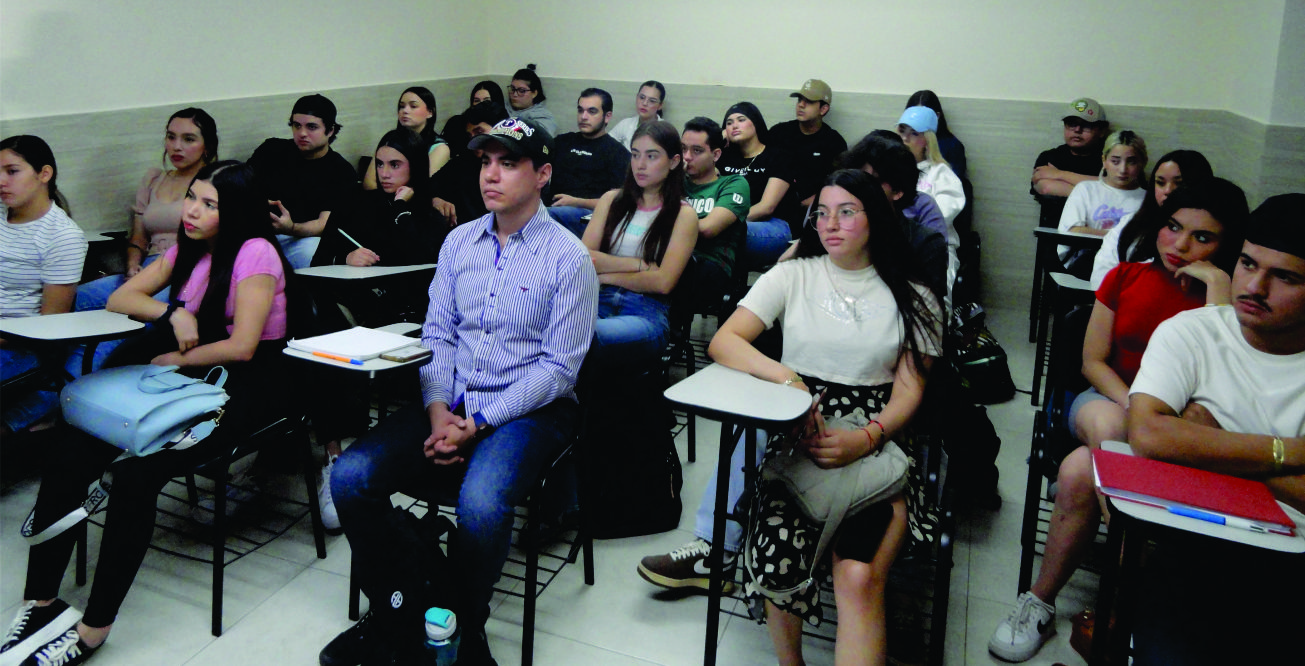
[(634, 469)]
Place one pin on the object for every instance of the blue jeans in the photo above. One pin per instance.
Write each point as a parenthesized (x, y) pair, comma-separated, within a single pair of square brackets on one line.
[(24, 410), (630, 331), (767, 239), (707, 507), (571, 217), (498, 475), (298, 251)]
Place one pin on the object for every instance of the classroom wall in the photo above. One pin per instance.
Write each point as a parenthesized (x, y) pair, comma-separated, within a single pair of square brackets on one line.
[(78, 56), (1201, 54)]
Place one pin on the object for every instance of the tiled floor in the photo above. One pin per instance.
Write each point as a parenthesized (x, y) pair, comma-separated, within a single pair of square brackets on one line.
[(283, 604)]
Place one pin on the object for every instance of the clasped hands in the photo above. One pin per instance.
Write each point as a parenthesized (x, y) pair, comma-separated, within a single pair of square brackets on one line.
[(451, 437), (829, 448)]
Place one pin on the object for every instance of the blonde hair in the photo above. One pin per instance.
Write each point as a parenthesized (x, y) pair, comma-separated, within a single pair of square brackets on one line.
[(1124, 138), (932, 152)]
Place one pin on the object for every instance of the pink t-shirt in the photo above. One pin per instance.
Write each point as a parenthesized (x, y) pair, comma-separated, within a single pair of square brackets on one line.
[(256, 257)]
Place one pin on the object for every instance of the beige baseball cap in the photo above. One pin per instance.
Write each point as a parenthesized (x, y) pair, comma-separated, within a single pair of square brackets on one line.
[(816, 91)]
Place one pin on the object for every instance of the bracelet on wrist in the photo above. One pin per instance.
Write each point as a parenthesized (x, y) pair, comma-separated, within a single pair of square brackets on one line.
[(1279, 453)]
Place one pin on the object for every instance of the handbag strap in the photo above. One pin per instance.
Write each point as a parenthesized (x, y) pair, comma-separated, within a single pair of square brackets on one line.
[(98, 492), (841, 505)]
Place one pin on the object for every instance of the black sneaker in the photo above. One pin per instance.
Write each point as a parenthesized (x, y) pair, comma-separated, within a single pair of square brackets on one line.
[(363, 643), (686, 566), (35, 626), (65, 650)]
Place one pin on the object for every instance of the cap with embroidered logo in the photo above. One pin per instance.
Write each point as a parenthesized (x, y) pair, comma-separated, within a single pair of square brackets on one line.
[(815, 90), (521, 137)]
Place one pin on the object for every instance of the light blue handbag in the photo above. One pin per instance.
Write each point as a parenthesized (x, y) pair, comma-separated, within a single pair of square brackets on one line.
[(141, 409)]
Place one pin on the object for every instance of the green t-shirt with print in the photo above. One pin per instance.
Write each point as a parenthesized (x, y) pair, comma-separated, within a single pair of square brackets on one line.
[(731, 192)]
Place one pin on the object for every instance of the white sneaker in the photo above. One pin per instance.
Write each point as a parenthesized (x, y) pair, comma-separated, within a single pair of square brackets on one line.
[(1023, 632), (330, 517)]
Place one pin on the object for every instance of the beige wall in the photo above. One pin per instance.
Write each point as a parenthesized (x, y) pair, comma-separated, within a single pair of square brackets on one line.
[(1203, 54), (77, 56)]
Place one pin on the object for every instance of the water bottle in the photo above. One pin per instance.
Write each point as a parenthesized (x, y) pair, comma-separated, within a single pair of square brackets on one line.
[(442, 637)]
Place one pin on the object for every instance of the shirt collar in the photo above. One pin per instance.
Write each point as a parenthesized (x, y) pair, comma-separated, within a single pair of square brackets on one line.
[(532, 234)]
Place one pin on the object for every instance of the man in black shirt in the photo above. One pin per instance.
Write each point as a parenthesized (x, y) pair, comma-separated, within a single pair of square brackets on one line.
[(303, 179), (586, 163), (1057, 171), (813, 145)]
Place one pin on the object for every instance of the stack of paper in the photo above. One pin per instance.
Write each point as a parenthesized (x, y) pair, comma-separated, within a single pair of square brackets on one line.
[(358, 342)]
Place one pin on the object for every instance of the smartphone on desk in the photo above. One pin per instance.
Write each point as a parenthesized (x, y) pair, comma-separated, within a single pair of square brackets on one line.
[(406, 354)]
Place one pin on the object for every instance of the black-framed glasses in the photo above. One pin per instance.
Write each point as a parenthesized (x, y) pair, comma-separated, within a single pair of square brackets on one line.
[(513, 90)]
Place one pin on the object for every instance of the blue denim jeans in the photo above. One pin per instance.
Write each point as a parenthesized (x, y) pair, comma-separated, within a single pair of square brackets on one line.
[(630, 331), (571, 217), (498, 475), (767, 239), (298, 251), (24, 410), (707, 507)]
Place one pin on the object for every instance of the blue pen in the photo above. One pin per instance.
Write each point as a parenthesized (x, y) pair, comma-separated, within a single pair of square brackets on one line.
[(1197, 514)]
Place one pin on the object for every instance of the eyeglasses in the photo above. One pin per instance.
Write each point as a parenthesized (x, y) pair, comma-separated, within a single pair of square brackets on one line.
[(846, 216), (518, 91)]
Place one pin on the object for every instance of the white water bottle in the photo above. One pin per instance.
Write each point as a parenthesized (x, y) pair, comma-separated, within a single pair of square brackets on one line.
[(442, 637)]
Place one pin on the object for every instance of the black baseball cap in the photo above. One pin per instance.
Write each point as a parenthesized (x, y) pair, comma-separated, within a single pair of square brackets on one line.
[(521, 137)]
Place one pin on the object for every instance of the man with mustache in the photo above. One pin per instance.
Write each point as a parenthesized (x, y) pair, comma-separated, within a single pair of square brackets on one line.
[(1223, 389), (587, 163)]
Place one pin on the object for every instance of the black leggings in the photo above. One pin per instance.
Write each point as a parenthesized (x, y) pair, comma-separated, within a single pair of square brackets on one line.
[(77, 459)]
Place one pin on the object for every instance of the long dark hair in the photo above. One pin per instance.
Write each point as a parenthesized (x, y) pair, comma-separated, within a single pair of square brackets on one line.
[(414, 149), (207, 131), (659, 233), (428, 134), (1193, 168), (930, 99), (1222, 199), (892, 258), (36, 152), (242, 215)]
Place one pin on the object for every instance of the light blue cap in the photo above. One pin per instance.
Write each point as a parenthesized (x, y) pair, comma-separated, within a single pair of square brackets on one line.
[(920, 119)]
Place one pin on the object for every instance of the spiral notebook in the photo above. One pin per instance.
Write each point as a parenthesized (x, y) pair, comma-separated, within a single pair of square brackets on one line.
[(358, 342)]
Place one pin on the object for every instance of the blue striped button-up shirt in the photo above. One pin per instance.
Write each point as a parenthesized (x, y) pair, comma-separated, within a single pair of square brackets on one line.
[(508, 326)]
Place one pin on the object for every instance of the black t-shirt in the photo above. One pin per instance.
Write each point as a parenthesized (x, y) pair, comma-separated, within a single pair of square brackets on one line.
[(1065, 160), (305, 187), (586, 168), (813, 154), (772, 162)]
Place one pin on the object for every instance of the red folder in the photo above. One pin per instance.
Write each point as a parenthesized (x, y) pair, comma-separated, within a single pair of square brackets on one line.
[(1166, 485)]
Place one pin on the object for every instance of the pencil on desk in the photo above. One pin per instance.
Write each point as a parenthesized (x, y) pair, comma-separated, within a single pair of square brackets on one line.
[(335, 357), (351, 240)]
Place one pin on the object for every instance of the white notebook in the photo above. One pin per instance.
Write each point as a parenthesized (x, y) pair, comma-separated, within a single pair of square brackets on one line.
[(358, 342)]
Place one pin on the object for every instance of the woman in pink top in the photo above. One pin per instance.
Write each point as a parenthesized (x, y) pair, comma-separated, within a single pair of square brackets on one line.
[(190, 142), (229, 279)]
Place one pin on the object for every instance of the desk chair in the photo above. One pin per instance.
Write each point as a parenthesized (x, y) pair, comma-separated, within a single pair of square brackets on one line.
[(529, 539)]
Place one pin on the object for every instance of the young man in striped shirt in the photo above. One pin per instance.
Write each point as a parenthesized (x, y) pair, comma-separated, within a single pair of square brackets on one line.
[(511, 317)]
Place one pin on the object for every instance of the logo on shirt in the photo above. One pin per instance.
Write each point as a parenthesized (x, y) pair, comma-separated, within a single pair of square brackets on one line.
[(582, 153), (702, 206), (737, 198)]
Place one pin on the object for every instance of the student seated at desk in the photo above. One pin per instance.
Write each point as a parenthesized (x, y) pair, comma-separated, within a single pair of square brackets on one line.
[(457, 190), (416, 110), (769, 172), (859, 321), (455, 127), (1223, 389), (640, 238), (190, 142), (41, 256), (1096, 206), (1058, 170), (228, 277), (526, 100), (953, 151), (648, 103), (918, 128), (1191, 257), (1171, 170)]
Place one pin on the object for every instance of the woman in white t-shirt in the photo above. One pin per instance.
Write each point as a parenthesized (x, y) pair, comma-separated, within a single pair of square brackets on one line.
[(647, 108), (859, 325), (41, 256), (1096, 206), (918, 128), (640, 237)]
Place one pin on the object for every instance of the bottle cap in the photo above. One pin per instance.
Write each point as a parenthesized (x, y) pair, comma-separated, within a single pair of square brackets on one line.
[(441, 624)]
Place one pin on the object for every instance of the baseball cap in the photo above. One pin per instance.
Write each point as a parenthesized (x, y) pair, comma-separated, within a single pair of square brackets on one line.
[(816, 91), (1086, 109), (1279, 224), (522, 138), (920, 119)]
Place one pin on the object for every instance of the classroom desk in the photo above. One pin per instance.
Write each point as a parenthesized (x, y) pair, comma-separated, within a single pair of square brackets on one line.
[(90, 327), (1046, 261), (1131, 526), (1064, 291), (737, 400), (341, 272)]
